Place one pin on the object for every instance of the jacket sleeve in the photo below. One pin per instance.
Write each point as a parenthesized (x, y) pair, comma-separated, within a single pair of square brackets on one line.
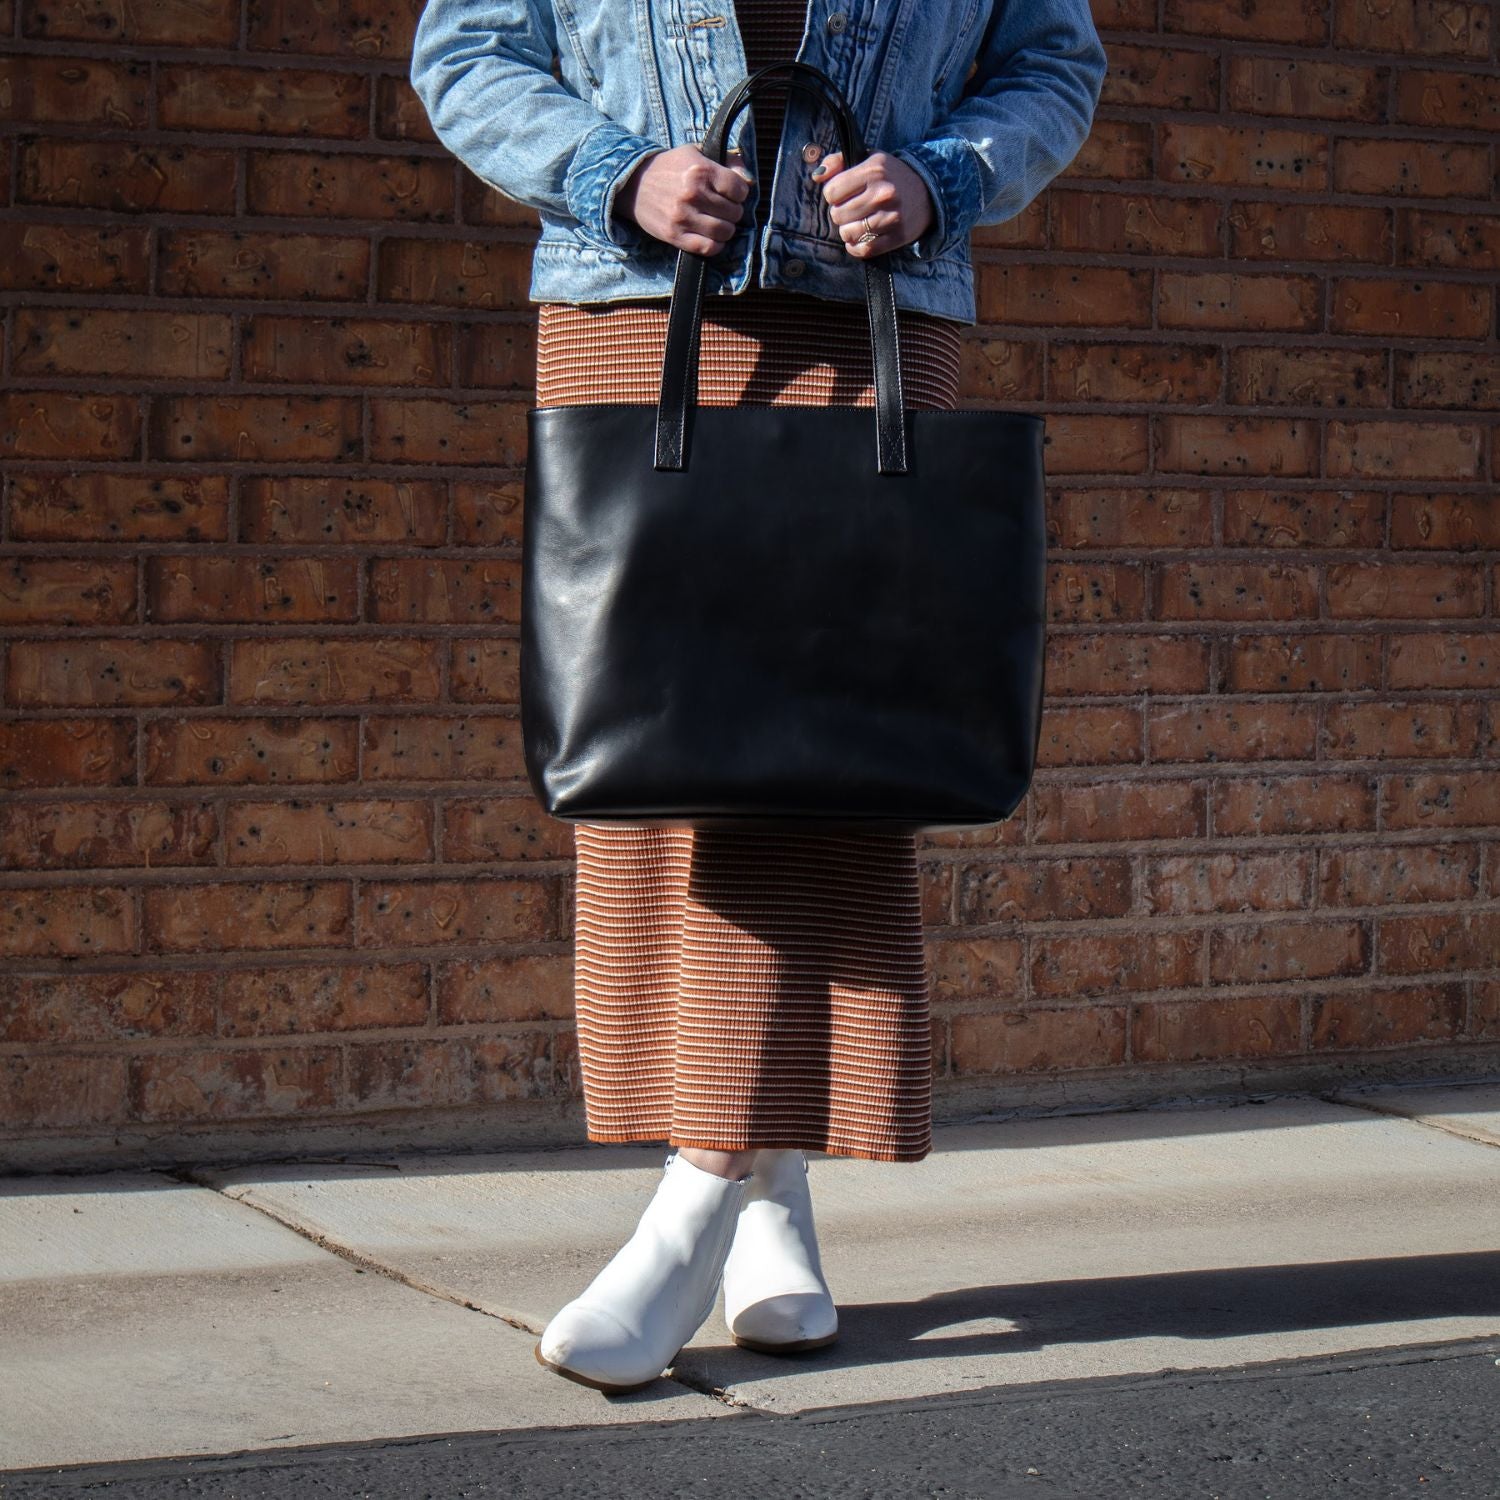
[(1023, 117), (483, 71)]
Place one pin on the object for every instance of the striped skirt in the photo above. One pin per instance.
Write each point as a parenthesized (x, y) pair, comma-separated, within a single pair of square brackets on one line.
[(744, 987)]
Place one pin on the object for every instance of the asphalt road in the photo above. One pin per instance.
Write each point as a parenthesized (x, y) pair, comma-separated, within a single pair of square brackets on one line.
[(1412, 1421)]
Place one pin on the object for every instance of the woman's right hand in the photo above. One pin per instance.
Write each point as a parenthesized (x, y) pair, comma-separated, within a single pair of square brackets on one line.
[(685, 198)]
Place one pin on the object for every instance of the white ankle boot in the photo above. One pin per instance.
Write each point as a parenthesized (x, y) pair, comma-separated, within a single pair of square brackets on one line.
[(775, 1298), (629, 1323)]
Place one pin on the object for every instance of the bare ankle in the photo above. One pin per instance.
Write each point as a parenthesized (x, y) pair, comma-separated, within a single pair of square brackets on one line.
[(733, 1164)]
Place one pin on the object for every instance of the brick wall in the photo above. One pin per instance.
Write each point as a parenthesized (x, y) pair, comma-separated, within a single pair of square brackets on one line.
[(272, 878)]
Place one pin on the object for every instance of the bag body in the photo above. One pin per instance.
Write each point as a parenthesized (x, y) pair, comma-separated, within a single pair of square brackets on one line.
[(790, 616)]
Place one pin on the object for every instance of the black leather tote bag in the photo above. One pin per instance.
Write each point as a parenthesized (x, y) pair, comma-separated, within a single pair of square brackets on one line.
[(787, 616)]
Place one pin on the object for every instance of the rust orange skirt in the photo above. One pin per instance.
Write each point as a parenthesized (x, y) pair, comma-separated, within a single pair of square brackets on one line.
[(739, 988)]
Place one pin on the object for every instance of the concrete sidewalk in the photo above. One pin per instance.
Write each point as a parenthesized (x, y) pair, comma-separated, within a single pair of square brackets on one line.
[(149, 1314)]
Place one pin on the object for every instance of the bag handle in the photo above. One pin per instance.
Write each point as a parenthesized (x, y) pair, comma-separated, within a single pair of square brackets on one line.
[(679, 376)]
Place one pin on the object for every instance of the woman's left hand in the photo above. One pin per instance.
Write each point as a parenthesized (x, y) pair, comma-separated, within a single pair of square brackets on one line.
[(882, 189)]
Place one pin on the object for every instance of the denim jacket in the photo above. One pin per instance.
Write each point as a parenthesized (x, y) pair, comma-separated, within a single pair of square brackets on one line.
[(987, 100)]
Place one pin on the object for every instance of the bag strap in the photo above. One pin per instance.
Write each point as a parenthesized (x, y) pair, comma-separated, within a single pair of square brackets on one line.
[(679, 376)]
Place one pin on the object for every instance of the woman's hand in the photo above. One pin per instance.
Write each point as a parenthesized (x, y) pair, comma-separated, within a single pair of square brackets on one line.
[(685, 198), (882, 189)]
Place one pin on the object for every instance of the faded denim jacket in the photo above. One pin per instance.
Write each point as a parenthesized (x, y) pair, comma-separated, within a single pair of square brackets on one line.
[(987, 100)]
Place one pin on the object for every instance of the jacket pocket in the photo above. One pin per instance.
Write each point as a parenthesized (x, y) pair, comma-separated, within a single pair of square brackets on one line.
[(960, 41)]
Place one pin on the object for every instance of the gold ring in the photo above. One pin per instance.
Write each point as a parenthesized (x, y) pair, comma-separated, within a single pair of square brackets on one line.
[(868, 235)]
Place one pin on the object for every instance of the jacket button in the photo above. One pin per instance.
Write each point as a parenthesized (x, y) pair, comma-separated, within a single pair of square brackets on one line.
[(837, 21), (795, 267), (811, 151)]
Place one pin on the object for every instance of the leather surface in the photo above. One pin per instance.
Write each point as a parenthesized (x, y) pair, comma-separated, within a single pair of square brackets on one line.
[(779, 632)]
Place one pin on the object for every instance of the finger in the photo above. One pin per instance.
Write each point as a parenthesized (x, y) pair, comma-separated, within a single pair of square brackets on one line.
[(887, 226)]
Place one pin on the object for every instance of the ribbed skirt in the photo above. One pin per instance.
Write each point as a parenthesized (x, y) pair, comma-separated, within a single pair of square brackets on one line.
[(747, 987)]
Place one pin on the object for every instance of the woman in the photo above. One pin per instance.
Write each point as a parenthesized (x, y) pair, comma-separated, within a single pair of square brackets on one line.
[(748, 995)]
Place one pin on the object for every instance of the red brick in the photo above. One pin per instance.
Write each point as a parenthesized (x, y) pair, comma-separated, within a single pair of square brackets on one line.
[(999, 369), (497, 354), (1135, 224), (135, 344), (1360, 731), (97, 835), (479, 829), (1431, 237), (967, 969), (1411, 591), (485, 671), (491, 433), (1485, 1016), (1117, 150), (1304, 518), (522, 987), (1236, 591), (1045, 890), (1113, 445), (66, 591), (1447, 659), (58, 1009), (477, 909), (1021, 294), (380, 30), (125, 177), (399, 114), (429, 747), (1191, 884), (276, 429), (1323, 803), (66, 752), (1232, 730), (1424, 169), (1437, 97), (1126, 664), (347, 351), (1303, 663), (1237, 445), (1133, 518), (255, 915), (118, 507), (1161, 78), (346, 832), (235, 587), (1387, 1017), (36, 89), (1097, 371), (57, 1092), (1202, 1030), (74, 257), (1073, 812), (276, 508), (472, 274), (1111, 962), (69, 426), (1412, 309), (345, 185), (1016, 1041), (488, 514), (252, 752), (265, 101), (1266, 230), (243, 1084), (1461, 799), (439, 591), (1439, 942), (1434, 377), (1458, 29), (1082, 591), (1233, 300), (289, 267), (1301, 86), (1089, 735), (172, 23), (1260, 375), (1288, 950), (66, 921), (1295, 160), (451, 1070), (105, 673), (285, 1001), (1384, 876), (303, 671)]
